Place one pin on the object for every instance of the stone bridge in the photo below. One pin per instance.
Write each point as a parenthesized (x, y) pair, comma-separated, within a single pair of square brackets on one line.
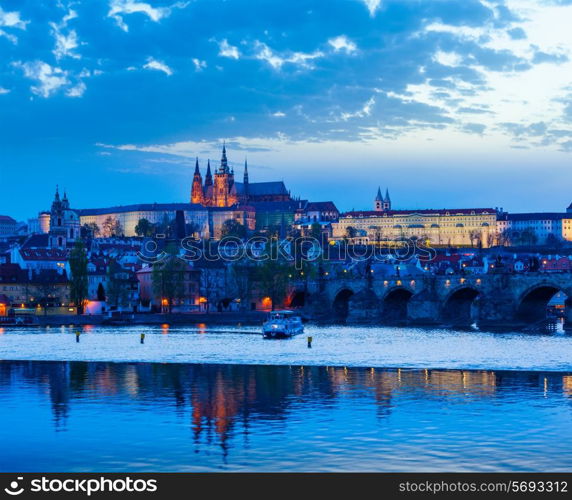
[(488, 299)]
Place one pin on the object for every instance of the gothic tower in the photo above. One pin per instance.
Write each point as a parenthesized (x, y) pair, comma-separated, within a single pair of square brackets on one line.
[(378, 201), (387, 200), (224, 194), (197, 189), (64, 222)]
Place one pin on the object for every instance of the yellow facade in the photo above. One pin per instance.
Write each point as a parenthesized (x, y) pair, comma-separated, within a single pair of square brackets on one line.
[(463, 227)]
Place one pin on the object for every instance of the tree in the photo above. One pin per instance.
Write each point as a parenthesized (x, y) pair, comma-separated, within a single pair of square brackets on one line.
[(112, 227), (234, 228), (351, 232), (100, 293), (316, 231), (241, 280), (168, 278), (91, 230), (273, 276), (118, 284), (144, 228), (528, 236), (78, 281)]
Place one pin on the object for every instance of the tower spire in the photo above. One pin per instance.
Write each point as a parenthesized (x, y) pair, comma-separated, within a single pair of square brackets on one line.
[(57, 197), (197, 171), (208, 177), (245, 171), (223, 160)]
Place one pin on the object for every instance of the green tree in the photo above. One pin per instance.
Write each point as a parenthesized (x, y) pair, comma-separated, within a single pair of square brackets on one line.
[(117, 284), (100, 293), (78, 281), (112, 227), (168, 278), (144, 228), (273, 275), (234, 228), (91, 229)]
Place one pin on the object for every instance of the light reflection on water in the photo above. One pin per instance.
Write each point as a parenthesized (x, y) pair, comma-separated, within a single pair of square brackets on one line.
[(75, 416)]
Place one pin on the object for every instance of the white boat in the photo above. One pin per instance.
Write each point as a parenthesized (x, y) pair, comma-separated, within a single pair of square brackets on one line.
[(282, 324)]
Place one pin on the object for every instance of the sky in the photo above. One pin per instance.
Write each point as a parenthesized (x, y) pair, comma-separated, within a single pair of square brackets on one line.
[(446, 103)]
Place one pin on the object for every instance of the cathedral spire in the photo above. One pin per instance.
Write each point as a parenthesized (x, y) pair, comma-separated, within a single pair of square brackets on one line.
[(57, 197), (245, 171), (208, 177), (379, 197), (197, 171), (223, 160)]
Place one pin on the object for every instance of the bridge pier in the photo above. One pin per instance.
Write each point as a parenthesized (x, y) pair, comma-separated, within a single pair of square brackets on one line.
[(423, 308), (364, 307)]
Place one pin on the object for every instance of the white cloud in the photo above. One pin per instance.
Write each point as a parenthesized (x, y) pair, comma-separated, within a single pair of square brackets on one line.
[(279, 114), (227, 50), (65, 44), (361, 113), (199, 65), (120, 8), (447, 58), (372, 6), (49, 78), (342, 42), (265, 53), (11, 20), (4, 91), (158, 66), (77, 90)]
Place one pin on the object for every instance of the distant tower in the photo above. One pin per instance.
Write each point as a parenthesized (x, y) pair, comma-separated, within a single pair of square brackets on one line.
[(387, 200), (64, 222), (197, 189), (245, 181), (208, 177), (224, 189), (378, 201)]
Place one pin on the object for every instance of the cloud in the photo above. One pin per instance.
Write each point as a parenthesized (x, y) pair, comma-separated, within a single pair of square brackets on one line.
[(372, 6), (153, 64), (264, 53), (362, 112), (227, 50), (199, 65), (11, 20), (49, 78), (279, 114), (65, 44), (342, 42), (76, 91), (4, 91), (119, 8)]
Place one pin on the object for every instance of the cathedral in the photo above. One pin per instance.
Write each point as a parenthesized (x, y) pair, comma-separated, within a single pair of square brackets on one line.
[(223, 191)]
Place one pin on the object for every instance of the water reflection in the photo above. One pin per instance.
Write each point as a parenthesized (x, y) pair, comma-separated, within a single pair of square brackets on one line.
[(224, 406)]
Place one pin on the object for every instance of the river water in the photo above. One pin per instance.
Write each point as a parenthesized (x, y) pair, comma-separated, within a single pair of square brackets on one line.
[(221, 399)]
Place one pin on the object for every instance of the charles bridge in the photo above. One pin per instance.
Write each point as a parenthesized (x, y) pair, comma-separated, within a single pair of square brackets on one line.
[(496, 299)]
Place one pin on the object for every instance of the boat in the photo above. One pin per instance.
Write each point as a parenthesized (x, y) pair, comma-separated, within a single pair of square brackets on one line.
[(282, 324)]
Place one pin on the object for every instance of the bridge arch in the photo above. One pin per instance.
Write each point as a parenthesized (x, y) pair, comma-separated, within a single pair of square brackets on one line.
[(395, 303), (298, 298), (341, 304), (459, 305), (533, 303)]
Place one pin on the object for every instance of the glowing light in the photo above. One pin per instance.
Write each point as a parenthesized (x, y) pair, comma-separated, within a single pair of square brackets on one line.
[(266, 303), (202, 300)]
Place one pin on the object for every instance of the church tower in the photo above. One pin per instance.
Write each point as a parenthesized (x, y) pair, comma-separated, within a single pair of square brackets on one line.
[(387, 200), (378, 201), (224, 189), (64, 222), (197, 189)]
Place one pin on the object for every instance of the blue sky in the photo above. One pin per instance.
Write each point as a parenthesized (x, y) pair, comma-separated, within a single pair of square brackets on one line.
[(447, 103)]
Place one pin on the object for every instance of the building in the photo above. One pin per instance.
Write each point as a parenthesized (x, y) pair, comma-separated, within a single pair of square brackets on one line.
[(535, 228), (206, 222), (224, 191), (7, 226), (446, 227)]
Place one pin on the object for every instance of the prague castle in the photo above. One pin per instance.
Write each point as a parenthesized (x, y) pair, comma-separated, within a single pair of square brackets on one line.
[(223, 191)]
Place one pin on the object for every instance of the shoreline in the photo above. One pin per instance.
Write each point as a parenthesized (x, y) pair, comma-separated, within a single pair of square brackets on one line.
[(303, 366)]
